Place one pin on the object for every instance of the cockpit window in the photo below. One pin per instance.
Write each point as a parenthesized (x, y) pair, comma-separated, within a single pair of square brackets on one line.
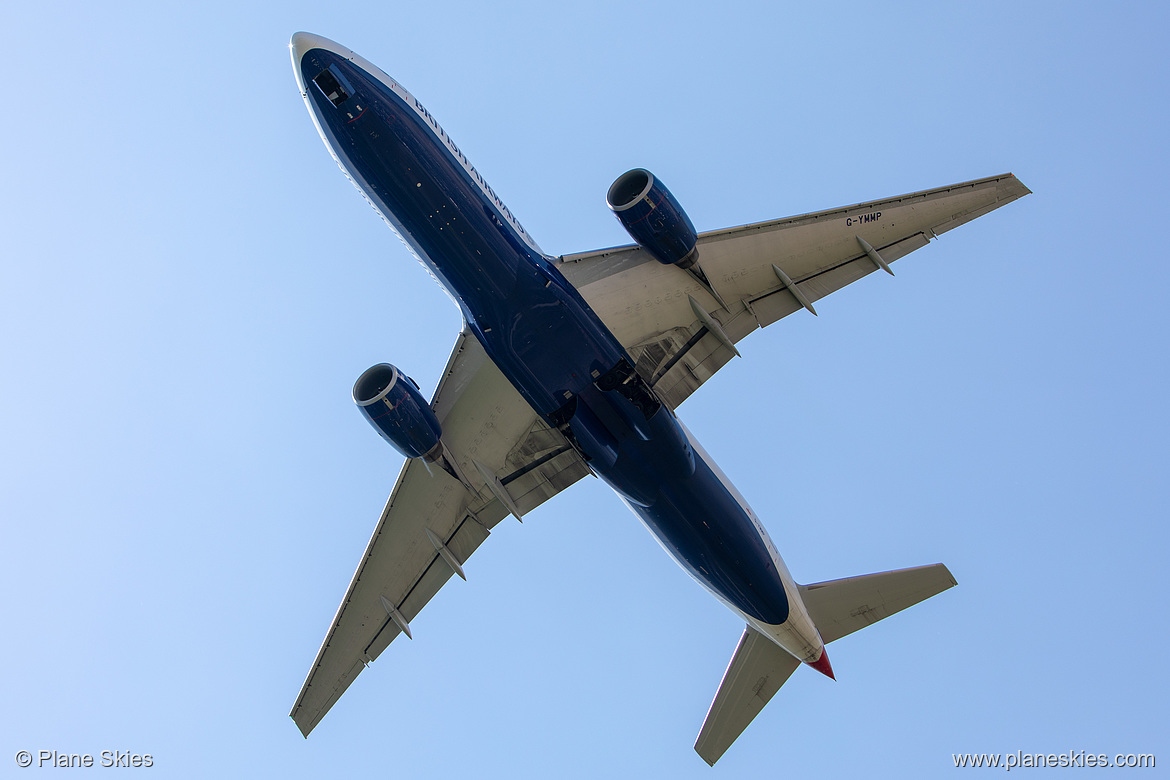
[(333, 85)]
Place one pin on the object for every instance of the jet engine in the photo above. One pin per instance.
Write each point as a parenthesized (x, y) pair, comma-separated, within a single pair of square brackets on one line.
[(391, 402), (653, 218)]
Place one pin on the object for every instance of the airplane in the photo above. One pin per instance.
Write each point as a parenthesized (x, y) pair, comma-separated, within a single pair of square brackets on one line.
[(574, 365)]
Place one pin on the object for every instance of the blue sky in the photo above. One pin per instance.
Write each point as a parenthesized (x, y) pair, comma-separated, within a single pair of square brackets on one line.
[(189, 287)]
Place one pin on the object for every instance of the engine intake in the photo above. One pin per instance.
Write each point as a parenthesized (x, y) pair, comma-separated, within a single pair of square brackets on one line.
[(391, 402), (653, 218)]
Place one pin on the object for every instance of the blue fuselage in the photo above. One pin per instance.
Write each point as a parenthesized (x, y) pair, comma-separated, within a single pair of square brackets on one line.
[(539, 330)]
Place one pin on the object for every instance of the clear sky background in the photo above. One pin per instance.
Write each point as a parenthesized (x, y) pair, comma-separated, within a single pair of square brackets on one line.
[(189, 287)]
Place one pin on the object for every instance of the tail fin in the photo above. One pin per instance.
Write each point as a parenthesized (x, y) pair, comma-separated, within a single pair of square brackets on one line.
[(837, 608)]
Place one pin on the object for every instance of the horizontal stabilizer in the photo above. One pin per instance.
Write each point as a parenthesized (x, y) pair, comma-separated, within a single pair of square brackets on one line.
[(840, 607), (757, 670), (837, 608)]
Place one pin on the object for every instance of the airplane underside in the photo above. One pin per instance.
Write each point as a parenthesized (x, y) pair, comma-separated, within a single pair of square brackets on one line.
[(592, 370)]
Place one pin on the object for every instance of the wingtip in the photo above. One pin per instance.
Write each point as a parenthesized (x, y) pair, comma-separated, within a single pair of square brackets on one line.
[(706, 760)]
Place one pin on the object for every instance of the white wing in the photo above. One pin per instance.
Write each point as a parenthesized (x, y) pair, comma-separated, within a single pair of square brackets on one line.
[(484, 420), (648, 305)]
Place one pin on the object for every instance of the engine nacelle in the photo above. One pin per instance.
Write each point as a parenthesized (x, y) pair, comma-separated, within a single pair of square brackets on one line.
[(391, 401), (653, 218)]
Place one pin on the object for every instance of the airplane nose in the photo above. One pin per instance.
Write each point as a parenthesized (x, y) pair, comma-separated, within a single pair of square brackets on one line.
[(302, 42)]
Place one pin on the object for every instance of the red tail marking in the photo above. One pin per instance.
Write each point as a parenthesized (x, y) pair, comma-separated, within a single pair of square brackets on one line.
[(822, 665)]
